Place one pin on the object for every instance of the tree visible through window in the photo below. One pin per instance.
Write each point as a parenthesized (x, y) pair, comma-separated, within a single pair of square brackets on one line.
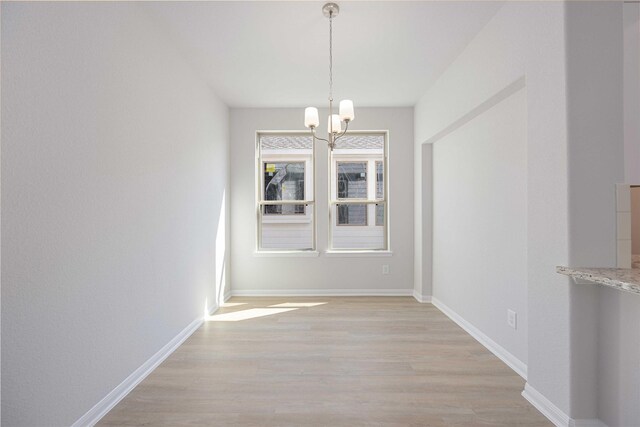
[(284, 181)]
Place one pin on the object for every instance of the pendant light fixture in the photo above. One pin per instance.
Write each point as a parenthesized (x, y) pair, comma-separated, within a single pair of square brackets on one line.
[(346, 114)]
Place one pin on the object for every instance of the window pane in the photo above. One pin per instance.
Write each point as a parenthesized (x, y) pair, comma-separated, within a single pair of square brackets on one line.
[(352, 184), (284, 181), (352, 180), (379, 214), (379, 180), (352, 214), (379, 193), (279, 232), (286, 142), (361, 142)]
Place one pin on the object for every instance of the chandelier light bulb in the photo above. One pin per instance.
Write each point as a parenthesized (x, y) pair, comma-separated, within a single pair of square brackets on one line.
[(334, 120), (311, 119), (346, 110)]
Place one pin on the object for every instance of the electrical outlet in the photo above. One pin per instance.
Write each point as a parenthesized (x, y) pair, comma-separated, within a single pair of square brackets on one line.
[(512, 319), (385, 268)]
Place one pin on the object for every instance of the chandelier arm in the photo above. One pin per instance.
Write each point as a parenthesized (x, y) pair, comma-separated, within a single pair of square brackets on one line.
[(342, 134), (320, 139)]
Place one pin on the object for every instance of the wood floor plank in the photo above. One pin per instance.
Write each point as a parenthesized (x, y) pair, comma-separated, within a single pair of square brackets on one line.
[(350, 361)]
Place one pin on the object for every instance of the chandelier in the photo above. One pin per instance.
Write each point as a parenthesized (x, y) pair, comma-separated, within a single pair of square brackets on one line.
[(346, 115)]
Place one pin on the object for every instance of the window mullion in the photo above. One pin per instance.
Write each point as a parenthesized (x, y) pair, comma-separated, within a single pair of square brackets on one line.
[(371, 193)]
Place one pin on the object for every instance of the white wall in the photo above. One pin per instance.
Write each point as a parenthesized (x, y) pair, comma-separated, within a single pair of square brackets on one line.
[(619, 340), (594, 46), (114, 172), (583, 342), (631, 23), (618, 345), (423, 285), (480, 222), (523, 45), (253, 274), (618, 376)]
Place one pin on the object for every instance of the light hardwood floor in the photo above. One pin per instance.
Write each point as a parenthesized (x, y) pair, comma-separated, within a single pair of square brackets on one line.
[(352, 361)]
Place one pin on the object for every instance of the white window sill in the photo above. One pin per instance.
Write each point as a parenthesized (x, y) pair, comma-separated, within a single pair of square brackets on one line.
[(272, 254), (358, 253)]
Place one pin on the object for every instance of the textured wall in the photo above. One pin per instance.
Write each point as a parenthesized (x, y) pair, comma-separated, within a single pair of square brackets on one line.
[(114, 165)]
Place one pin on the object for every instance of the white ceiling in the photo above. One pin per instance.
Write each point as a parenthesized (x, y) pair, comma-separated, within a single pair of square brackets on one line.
[(275, 54)]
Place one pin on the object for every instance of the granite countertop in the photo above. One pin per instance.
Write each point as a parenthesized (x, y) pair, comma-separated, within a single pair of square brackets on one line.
[(625, 279)]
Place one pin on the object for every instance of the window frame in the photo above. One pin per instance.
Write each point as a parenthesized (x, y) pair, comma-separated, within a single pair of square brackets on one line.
[(386, 249), (310, 214)]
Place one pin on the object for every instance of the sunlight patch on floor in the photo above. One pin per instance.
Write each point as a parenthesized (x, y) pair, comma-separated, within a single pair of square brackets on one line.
[(232, 304), (298, 304), (251, 313)]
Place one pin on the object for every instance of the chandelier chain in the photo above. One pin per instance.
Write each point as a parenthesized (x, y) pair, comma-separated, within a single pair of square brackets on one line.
[(331, 56)]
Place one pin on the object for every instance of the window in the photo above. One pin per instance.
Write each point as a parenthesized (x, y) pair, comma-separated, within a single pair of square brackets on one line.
[(285, 176), (358, 192)]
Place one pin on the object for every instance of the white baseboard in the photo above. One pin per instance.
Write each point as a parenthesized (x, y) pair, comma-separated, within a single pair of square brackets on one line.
[(513, 362), (424, 299), (101, 408), (212, 309), (555, 414), (321, 292), (544, 405)]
